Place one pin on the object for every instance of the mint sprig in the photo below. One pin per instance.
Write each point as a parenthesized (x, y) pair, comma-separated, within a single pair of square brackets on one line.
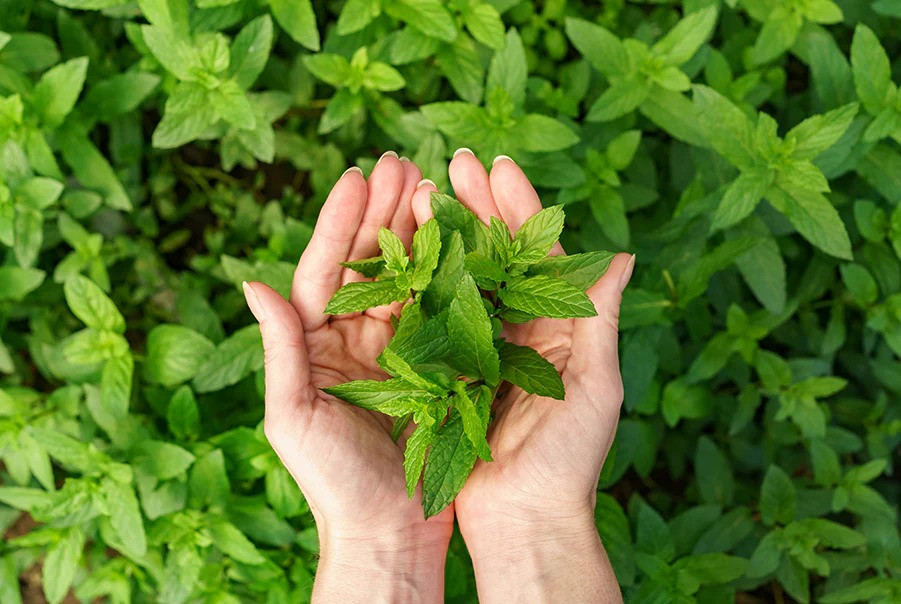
[(447, 358)]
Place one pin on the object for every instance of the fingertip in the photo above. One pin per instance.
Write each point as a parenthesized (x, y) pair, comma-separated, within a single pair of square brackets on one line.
[(610, 282), (422, 201), (270, 308)]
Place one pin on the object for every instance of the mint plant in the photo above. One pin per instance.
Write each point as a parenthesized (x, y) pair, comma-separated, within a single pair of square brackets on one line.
[(448, 357)]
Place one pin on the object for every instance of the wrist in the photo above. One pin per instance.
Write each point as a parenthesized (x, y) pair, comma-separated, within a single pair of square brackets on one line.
[(526, 558), (393, 565)]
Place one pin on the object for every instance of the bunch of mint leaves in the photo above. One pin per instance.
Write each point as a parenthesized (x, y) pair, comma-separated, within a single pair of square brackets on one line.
[(447, 358)]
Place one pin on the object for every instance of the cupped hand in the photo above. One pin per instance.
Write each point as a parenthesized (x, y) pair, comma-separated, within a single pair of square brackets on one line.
[(547, 453), (343, 457)]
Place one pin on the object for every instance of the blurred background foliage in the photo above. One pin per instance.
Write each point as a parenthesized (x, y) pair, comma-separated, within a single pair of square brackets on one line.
[(154, 154)]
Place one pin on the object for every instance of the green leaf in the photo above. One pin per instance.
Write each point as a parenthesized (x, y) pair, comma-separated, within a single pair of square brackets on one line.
[(228, 102), (763, 269), (767, 555), (115, 384), (392, 396), (357, 14), (860, 284), (473, 425), (297, 18), (330, 68), (228, 538), (428, 16), (816, 134), (29, 227), (91, 168), (426, 252), (454, 216), (58, 89), (282, 492), (545, 296), (708, 569), (381, 76), (816, 220), (174, 354), (778, 34), (581, 270), (187, 116), (428, 343), (538, 234), (508, 68), (542, 133), (462, 66), (183, 414), (234, 359), (250, 51), (716, 483), (609, 210), (174, 52), (620, 99), (61, 564), (686, 37), (161, 460), (487, 273), (872, 70), (470, 334), (524, 367), (440, 291), (368, 267), (725, 127), (451, 460), (416, 449), (119, 94), (742, 197), (358, 296), (484, 23), (393, 251), (599, 46), (394, 365), (621, 150), (125, 517), (777, 497), (823, 11), (88, 302)]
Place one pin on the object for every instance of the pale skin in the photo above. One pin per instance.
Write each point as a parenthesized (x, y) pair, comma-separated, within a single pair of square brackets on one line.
[(527, 517)]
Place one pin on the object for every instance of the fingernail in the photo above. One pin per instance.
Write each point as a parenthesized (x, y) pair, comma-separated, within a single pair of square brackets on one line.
[(424, 182), (463, 150), (502, 157), (404, 158), (627, 274), (253, 301), (353, 169), (386, 154)]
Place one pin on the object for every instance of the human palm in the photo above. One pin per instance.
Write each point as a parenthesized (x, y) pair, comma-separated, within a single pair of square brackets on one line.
[(343, 457)]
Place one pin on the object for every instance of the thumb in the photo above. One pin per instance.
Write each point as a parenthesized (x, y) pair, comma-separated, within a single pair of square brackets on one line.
[(288, 386), (596, 339)]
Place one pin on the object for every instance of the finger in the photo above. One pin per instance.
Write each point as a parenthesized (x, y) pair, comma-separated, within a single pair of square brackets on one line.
[(595, 341), (319, 271), (288, 386), (471, 186), (422, 201), (384, 188), (514, 195), (403, 224)]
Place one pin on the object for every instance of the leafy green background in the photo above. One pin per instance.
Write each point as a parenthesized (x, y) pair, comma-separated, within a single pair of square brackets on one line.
[(154, 154)]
